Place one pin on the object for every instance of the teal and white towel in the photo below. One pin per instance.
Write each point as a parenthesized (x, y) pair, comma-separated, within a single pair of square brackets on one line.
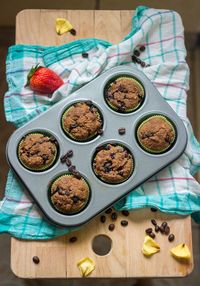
[(173, 190)]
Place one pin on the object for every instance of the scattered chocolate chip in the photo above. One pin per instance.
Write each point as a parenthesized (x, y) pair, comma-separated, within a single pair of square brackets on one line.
[(171, 237), (73, 32), (108, 211), (85, 55), (36, 259), (63, 158), (164, 224), (136, 53), (74, 125), (111, 227), (134, 59), (69, 153), (167, 230), (77, 174), (107, 164), (143, 64), (68, 162), (75, 199), (122, 131), (162, 230), (103, 218), (114, 216), (153, 221), (154, 209), (72, 168), (148, 230), (100, 131), (73, 239), (124, 223), (112, 155), (157, 228), (125, 213), (142, 48), (152, 235)]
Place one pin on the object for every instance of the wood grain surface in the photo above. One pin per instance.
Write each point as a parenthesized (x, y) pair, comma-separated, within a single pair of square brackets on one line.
[(58, 257)]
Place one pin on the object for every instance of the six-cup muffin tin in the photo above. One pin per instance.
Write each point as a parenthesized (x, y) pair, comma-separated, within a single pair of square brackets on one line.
[(103, 194)]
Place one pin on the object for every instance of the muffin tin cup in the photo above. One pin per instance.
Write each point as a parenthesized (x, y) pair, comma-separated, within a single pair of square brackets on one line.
[(103, 194)]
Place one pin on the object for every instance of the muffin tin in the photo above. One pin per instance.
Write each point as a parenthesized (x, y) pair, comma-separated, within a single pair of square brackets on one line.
[(103, 194)]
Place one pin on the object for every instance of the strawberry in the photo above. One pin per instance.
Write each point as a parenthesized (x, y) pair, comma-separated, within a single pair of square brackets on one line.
[(43, 80)]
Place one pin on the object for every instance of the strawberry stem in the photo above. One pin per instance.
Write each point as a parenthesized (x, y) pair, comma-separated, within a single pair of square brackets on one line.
[(31, 73)]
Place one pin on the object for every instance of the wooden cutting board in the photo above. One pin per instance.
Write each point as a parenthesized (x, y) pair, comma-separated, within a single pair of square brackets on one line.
[(58, 257)]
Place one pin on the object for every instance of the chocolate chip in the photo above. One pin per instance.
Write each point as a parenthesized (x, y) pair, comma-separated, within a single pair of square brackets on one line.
[(136, 53), (63, 158), (108, 211), (112, 155), (85, 55), (72, 168), (36, 259), (122, 131), (77, 174), (125, 213), (74, 125), (111, 227), (100, 132), (143, 64), (134, 59), (73, 32), (75, 199), (73, 239), (124, 222), (114, 216), (171, 237), (152, 235), (167, 139), (138, 61), (167, 230), (69, 153), (107, 170), (142, 48), (89, 102), (68, 162), (121, 173), (154, 209), (154, 222), (107, 164), (157, 228), (162, 230), (148, 230), (103, 218), (164, 224)]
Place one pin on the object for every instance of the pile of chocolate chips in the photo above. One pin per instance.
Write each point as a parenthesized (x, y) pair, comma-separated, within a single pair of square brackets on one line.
[(71, 168), (114, 216), (164, 229), (136, 55)]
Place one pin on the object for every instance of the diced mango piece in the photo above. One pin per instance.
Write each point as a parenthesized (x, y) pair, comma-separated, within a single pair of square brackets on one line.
[(181, 251), (150, 246), (86, 266), (63, 26)]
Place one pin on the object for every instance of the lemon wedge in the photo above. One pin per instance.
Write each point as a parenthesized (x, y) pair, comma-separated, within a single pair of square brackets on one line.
[(86, 266), (63, 26), (150, 246), (181, 251)]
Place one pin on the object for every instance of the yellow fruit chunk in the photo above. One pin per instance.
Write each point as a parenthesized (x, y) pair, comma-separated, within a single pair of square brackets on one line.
[(86, 266), (150, 246), (181, 251), (63, 26)]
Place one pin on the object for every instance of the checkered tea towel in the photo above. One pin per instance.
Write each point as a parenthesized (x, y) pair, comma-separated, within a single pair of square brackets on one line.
[(173, 190)]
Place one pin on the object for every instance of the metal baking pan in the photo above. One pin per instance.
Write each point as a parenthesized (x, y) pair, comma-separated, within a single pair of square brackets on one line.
[(103, 194)]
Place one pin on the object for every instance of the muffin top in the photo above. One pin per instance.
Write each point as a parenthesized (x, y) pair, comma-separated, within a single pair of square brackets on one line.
[(125, 94), (37, 151), (156, 134), (113, 163), (82, 120), (69, 194)]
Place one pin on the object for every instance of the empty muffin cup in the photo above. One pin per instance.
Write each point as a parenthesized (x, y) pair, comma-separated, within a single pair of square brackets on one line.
[(37, 151), (124, 94), (156, 134), (113, 163), (82, 121), (69, 194)]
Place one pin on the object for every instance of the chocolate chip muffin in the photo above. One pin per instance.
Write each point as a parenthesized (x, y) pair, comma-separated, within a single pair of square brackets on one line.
[(124, 94), (113, 163), (156, 134), (82, 121), (68, 194), (37, 151)]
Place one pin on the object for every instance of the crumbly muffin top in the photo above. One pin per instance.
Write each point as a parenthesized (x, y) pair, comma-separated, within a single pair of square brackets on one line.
[(69, 194), (37, 151), (124, 94), (113, 163), (156, 134), (82, 120)]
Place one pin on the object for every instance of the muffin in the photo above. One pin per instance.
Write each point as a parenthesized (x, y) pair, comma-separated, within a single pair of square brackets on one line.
[(124, 94), (37, 151), (68, 194), (113, 163), (82, 121), (156, 134)]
